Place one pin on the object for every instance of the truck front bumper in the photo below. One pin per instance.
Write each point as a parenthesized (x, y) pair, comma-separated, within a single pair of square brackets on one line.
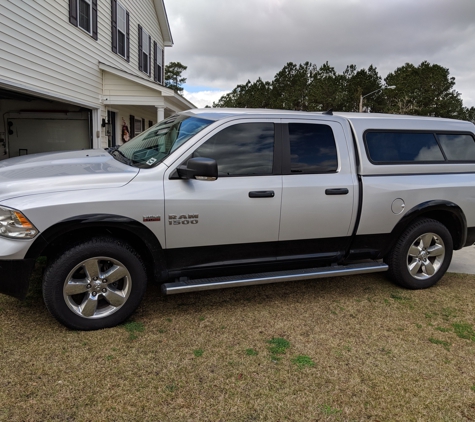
[(15, 276)]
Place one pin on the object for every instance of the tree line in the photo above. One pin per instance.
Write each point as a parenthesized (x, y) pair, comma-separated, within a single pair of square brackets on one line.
[(424, 90)]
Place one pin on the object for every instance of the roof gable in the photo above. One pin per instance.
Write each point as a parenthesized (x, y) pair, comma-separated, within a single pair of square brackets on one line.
[(163, 22)]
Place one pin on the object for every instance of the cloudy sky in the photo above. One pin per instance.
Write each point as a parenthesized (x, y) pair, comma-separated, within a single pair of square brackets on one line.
[(225, 43)]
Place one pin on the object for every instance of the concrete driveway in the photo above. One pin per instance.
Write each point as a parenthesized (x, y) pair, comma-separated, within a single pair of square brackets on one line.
[(463, 261)]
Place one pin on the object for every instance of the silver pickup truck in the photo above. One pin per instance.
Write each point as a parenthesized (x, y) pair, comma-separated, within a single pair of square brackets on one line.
[(216, 198)]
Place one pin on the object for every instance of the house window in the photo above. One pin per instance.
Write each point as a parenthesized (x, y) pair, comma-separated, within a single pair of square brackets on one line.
[(83, 14), (120, 30), (144, 51), (158, 63), (137, 126)]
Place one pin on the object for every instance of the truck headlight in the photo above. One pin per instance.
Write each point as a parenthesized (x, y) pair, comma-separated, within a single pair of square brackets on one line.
[(14, 224)]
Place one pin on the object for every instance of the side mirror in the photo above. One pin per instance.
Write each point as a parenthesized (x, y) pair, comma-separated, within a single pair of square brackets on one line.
[(199, 168)]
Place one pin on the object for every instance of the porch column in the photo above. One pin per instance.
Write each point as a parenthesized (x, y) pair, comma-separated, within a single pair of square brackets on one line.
[(160, 113)]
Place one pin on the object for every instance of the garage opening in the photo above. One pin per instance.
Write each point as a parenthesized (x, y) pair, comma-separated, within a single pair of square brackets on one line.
[(30, 133)]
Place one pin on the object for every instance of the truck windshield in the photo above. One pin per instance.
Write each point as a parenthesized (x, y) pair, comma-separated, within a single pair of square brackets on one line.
[(156, 143)]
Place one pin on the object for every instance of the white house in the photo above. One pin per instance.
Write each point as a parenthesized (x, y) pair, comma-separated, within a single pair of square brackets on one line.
[(75, 74)]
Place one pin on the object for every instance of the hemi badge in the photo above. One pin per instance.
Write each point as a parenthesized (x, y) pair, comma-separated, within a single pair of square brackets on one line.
[(151, 218)]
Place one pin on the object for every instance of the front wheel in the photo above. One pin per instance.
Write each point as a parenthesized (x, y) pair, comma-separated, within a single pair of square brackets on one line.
[(95, 284), (421, 256)]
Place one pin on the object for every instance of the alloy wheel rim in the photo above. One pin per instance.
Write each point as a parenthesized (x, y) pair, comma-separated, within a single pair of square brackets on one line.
[(425, 256), (97, 287)]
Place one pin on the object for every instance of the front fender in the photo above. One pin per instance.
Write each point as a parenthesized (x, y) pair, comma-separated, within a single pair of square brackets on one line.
[(85, 226)]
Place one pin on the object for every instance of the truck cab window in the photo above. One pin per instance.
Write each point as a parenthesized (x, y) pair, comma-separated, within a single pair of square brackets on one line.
[(312, 148), (245, 149)]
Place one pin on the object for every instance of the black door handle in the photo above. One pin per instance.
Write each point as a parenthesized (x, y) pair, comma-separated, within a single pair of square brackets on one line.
[(262, 194), (336, 191)]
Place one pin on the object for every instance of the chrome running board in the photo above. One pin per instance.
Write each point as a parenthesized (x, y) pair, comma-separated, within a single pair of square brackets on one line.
[(189, 285)]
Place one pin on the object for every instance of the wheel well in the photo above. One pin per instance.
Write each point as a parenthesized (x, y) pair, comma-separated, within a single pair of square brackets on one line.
[(450, 221), (154, 264)]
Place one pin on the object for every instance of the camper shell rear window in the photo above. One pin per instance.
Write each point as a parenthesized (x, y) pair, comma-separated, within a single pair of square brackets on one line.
[(418, 147)]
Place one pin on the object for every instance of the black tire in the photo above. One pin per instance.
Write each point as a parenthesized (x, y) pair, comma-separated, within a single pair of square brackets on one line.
[(426, 248), (96, 284)]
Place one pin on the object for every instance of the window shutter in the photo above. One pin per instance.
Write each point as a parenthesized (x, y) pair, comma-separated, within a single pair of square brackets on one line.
[(149, 55), (143, 125), (127, 35), (132, 127), (155, 65), (95, 33), (140, 48), (73, 12), (114, 25), (150, 123)]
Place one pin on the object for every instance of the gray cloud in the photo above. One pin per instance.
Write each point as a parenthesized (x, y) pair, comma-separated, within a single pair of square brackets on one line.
[(224, 43)]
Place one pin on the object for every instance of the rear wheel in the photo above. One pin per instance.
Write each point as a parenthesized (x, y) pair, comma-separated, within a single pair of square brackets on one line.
[(422, 255), (95, 284)]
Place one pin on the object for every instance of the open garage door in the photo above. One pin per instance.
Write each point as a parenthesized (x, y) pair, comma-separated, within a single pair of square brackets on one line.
[(30, 133)]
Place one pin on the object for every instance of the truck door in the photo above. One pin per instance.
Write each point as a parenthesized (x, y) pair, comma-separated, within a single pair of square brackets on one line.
[(319, 191), (236, 217)]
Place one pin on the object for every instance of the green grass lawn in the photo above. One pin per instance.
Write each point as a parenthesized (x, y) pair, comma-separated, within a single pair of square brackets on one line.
[(342, 349)]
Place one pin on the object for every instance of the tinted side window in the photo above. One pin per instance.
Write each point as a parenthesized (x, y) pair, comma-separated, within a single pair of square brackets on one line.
[(402, 147), (244, 149), (458, 147), (312, 148)]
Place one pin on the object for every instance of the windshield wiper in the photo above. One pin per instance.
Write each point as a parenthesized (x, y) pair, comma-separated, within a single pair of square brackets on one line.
[(110, 150), (123, 159)]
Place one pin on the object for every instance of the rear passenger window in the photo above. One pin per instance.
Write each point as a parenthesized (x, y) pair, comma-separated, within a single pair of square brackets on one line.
[(312, 148), (402, 147), (458, 147)]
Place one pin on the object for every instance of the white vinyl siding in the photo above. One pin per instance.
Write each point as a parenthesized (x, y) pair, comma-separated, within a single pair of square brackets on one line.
[(116, 85), (138, 112), (41, 51)]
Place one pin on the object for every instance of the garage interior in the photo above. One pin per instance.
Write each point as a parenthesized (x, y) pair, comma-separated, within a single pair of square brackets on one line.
[(31, 124)]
